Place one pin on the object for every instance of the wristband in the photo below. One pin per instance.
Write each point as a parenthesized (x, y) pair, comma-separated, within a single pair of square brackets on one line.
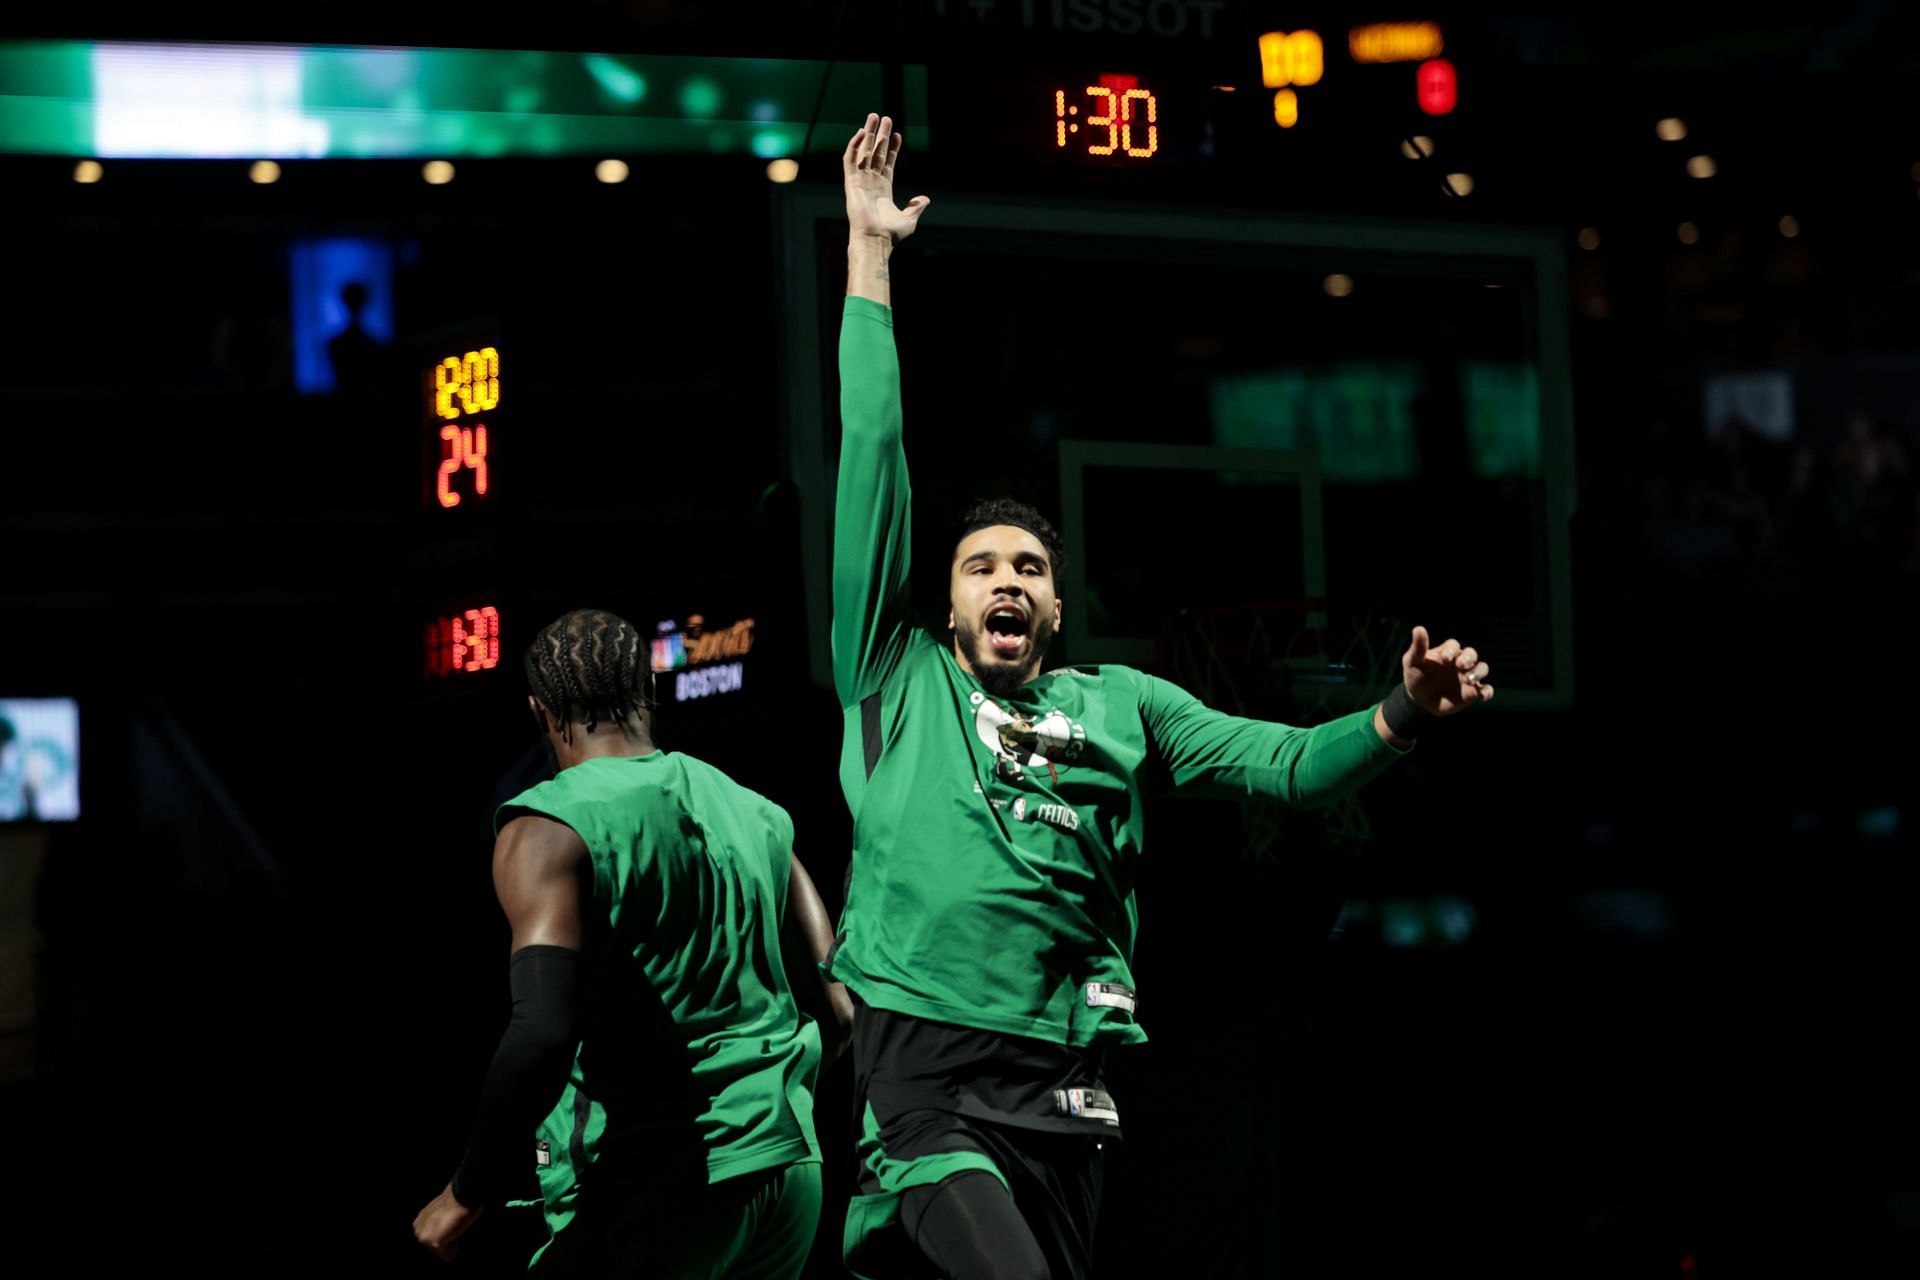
[(1403, 715)]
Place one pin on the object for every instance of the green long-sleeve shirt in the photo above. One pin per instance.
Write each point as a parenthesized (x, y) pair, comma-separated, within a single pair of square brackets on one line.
[(997, 840)]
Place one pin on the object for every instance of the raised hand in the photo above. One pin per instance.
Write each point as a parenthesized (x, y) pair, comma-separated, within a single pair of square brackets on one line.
[(867, 167), (1444, 679)]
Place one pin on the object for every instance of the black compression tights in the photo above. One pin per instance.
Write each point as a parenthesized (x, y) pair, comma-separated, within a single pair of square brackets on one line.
[(969, 1228)]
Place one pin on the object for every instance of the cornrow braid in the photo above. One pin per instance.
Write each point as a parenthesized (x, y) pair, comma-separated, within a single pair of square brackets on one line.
[(588, 666), (599, 684)]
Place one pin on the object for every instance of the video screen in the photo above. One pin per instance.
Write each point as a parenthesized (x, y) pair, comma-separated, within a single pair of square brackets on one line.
[(39, 760)]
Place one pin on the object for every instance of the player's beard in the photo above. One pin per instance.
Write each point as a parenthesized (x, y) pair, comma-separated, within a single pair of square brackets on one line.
[(996, 675)]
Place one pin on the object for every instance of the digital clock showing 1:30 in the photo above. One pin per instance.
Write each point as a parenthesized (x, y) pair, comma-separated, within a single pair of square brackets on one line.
[(1127, 120), (1115, 117)]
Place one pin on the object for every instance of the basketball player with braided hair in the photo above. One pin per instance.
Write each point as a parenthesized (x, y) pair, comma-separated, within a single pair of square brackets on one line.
[(669, 1007), (999, 822)]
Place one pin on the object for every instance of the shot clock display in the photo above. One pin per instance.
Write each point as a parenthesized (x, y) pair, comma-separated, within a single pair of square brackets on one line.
[(464, 398), (464, 387)]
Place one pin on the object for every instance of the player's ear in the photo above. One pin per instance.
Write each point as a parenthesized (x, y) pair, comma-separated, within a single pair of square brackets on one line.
[(1056, 614), (949, 617), (540, 715)]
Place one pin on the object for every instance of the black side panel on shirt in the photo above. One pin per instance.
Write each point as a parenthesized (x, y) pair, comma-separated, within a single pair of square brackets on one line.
[(870, 751), (870, 730)]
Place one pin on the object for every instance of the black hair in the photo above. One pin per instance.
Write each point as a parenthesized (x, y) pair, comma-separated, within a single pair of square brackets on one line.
[(989, 512), (588, 666)]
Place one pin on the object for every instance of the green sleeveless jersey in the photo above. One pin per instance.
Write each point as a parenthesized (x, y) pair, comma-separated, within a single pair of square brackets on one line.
[(693, 1055), (996, 840)]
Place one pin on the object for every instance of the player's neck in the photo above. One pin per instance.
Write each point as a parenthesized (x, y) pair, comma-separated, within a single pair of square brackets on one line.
[(1033, 672), (615, 741)]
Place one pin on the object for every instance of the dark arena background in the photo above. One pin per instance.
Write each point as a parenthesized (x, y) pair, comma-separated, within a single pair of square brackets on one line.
[(344, 351)]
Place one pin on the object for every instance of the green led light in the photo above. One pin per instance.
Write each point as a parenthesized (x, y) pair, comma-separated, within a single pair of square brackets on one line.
[(253, 101), (621, 82), (772, 144), (700, 98)]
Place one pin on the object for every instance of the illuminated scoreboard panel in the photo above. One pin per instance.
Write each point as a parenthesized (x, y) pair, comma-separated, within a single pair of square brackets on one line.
[(1292, 63), (695, 660), (465, 623), (1090, 117), (1118, 117), (1369, 78), (465, 643), (464, 387), (464, 394)]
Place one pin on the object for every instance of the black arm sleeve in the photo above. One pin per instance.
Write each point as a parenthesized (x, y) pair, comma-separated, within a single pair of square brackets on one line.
[(528, 1074)]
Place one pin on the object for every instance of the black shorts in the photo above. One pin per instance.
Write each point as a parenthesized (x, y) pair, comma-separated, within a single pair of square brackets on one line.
[(1053, 1180)]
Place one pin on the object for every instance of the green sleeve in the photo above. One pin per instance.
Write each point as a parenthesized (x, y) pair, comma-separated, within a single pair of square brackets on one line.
[(872, 507), (1211, 753)]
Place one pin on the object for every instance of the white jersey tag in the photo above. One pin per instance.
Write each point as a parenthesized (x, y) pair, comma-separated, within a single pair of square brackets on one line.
[(1088, 1104), (1109, 995)]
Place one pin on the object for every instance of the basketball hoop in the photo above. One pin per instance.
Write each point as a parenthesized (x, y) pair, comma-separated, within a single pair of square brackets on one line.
[(1300, 662)]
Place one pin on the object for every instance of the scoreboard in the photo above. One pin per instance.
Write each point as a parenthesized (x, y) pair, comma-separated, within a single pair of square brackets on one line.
[(468, 392), (1235, 105), (464, 387), (465, 403), (1138, 86)]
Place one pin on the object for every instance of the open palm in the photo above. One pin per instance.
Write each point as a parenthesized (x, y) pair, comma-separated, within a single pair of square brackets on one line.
[(867, 167)]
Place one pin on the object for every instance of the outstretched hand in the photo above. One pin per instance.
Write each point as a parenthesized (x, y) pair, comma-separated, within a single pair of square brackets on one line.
[(1444, 679), (867, 167)]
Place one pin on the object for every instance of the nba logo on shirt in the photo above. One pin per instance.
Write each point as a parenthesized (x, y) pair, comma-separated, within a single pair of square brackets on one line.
[(542, 1153)]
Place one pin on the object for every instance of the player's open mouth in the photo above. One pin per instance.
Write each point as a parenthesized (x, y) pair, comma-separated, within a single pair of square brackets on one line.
[(1006, 629)]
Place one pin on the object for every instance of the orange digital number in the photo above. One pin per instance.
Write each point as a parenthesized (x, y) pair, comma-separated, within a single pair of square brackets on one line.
[(474, 378), (1110, 117), (476, 640), (447, 376), (1127, 100), (480, 380), (466, 450), (1122, 113), (473, 640), (466, 642)]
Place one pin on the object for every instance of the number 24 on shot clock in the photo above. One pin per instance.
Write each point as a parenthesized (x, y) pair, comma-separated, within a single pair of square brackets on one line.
[(464, 387)]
